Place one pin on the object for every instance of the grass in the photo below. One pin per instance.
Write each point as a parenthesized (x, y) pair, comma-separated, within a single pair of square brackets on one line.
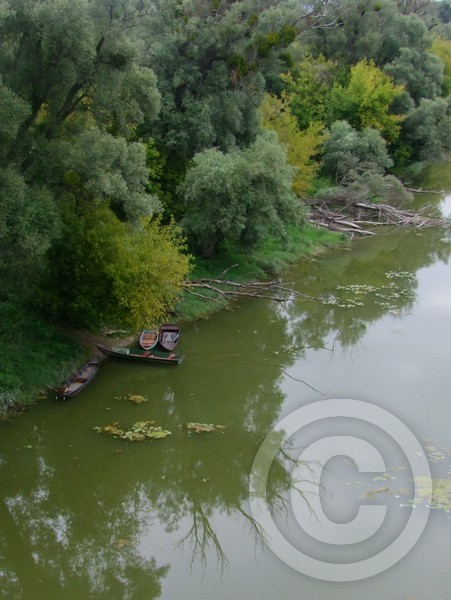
[(34, 355)]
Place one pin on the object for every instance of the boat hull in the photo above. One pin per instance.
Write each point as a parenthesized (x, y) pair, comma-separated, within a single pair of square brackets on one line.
[(74, 384), (148, 339), (168, 336), (142, 356)]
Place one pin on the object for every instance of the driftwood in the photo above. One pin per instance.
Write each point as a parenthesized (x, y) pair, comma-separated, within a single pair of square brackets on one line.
[(354, 218)]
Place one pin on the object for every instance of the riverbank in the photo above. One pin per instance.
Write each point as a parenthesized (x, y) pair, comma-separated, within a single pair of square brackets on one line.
[(38, 354)]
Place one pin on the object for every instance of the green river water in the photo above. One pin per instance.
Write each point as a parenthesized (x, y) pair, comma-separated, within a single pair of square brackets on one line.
[(84, 515)]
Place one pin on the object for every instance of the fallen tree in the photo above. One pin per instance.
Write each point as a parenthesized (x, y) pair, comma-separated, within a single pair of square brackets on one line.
[(221, 290), (360, 218)]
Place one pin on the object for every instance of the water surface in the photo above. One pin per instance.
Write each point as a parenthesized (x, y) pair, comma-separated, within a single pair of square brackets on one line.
[(84, 515)]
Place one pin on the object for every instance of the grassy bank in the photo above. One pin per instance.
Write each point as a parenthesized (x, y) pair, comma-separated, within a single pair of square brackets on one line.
[(36, 354)]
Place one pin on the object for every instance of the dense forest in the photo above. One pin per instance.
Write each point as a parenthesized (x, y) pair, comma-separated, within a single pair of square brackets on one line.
[(137, 135)]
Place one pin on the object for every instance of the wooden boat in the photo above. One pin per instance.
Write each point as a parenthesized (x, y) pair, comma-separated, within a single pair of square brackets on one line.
[(168, 336), (79, 380), (148, 339), (140, 355)]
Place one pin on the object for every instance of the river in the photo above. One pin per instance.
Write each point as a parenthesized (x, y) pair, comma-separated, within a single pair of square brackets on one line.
[(86, 515)]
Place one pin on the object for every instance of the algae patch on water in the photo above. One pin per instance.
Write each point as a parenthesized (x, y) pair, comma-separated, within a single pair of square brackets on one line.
[(135, 398), (441, 493), (140, 431), (203, 427)]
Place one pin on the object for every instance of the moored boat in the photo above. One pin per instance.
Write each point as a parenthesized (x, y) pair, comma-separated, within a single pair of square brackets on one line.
[(148, 339), (79, 380), (140, 355), (168, 336)]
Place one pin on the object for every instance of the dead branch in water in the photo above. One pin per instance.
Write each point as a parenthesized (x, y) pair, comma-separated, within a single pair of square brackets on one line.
[(229, 290)]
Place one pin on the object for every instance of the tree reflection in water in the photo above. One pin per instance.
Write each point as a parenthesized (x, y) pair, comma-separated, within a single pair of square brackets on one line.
[(73, 519)]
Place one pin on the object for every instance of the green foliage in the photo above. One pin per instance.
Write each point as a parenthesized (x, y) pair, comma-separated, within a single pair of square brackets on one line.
[(427, 129), (370, 186), (67, 57), (104, 271), (94, 164), (421, 73), (13, 112), (347, 153), (213, 65), (239, 196), (366, 100), (308, 86), (369, 30), (398, 42), (442, 48), (29, 222), (301, 146)]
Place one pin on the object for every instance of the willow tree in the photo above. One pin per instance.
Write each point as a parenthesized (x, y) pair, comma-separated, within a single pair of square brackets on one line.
[(240, 196), (214, 61), (75, 84)]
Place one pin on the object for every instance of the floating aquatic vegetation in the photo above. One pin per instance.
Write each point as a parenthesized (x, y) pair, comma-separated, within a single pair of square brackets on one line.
[(136, 398), (400, 274), (203, 427), (372, 493), (387, 296), (383, 477), (441, 493), (122, 543), (138, 432)]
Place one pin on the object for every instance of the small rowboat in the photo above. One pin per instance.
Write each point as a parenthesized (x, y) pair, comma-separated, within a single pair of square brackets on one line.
[(168, 336), (148, 339), (79, 380), (144, 356)]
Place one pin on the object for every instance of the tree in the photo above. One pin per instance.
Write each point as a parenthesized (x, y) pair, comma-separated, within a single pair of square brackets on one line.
[(69, 57), (421, 73), (239, 196), (93, 164), (308, 85), (347, 153), (366, 100), (214, 61), (442, 48), (427, 129), (75, 84), (113, 273), (13, 112), (301, 146), (28, 221)]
